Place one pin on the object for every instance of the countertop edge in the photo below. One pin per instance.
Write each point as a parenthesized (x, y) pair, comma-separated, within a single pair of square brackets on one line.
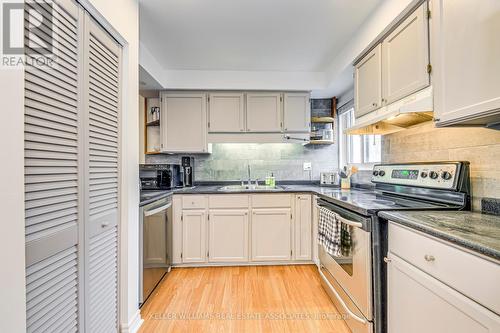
[(474, 247), (157, 197)]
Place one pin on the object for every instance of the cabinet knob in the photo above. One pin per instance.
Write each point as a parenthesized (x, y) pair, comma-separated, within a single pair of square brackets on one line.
[(429, 258)]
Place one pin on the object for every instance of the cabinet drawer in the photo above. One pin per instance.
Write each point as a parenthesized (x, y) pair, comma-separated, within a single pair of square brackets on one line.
[(194, 202), (271, 200), (228, 201), (473, 276)]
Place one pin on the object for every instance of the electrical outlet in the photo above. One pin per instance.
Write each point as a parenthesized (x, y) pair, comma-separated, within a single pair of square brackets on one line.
[(307, 166)]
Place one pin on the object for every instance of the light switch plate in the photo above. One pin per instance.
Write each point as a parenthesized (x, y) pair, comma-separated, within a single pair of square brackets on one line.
[(307, 166)]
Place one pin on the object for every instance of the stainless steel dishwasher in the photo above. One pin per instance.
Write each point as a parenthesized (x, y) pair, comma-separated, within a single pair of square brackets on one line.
[(155, 242)]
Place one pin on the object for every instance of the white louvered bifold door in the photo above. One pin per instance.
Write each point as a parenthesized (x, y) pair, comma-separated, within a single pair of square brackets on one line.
[(53, 189), (102, 105)]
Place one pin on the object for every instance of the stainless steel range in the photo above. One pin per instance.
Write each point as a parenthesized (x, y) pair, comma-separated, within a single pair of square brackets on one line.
[(355, 275)]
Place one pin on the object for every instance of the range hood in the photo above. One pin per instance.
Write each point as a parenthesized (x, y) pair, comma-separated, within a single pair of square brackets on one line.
[(409, 111)]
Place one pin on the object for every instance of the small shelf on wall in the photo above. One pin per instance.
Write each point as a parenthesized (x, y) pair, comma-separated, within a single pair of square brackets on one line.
[(154, 123), (321, 142), (323, 120)]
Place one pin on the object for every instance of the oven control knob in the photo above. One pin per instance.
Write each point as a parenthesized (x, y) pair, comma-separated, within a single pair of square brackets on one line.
[(423, 174), (433, 174), (381, 173), (375, 172), (446, 175)]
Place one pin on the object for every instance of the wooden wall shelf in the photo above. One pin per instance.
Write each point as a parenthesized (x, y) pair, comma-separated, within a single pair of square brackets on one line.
[(324, 120), (154, 123)]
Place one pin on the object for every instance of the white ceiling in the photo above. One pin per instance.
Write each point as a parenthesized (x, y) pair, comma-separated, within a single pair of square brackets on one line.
[(249, 35)]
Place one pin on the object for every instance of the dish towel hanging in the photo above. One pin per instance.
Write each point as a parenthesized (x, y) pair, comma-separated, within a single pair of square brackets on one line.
[(329, 232)]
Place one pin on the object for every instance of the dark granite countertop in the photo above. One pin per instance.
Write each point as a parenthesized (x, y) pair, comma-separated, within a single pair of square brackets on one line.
[(147, 197), (474, 231)]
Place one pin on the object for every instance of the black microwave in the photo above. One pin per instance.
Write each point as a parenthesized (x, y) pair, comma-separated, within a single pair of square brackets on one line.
[(160, 176)]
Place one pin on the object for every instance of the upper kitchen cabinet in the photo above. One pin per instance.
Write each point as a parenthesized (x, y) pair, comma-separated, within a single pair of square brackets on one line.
[(405, 57), (296, 112), (368, 82), (264, 112), (226, 113), (466, 70), (184, 122)]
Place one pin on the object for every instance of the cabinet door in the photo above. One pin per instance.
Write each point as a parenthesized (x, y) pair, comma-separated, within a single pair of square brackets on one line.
[(368, 82), (226, 113), (303, 227), (271, 234), (228, 235), (419, 303), (194, 236), (465, 55), (296, 112), (405, 56), (183, 122), (264, 112)]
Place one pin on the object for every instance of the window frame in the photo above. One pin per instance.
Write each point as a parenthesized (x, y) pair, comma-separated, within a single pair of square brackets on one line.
[(346, 120)]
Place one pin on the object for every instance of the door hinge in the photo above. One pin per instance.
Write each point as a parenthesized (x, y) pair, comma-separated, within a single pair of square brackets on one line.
[(429, 14), (291, 216), (208, 124), (429, 68), (281, 98), (208, 254), (182, 217), (291, 253), (181, 255), (208, 99), (208, 217)]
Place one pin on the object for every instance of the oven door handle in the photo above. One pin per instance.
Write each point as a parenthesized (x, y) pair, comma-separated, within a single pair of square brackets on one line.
[(349, 222), (341, 301), (157, 210)]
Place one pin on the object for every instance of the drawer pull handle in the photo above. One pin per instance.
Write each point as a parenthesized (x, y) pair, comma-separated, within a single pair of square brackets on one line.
[(429, 258)]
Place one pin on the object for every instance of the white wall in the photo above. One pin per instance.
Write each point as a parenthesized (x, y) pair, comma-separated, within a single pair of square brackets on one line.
[(12, 268), (339, 72), (123, 17)]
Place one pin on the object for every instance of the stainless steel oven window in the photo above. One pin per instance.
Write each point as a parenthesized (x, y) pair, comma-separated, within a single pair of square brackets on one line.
[(348, 248)]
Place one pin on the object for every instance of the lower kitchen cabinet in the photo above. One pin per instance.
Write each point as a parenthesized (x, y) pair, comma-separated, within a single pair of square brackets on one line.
[(228, 235), (434, 286), (303, 227), (194, 236), (271, 234), (417, 303)]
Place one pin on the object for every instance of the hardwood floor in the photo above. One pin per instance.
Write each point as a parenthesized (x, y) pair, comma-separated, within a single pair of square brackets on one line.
[(242, 299)]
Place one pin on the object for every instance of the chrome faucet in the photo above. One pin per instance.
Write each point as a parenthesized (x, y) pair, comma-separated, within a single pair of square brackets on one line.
[(249, 177)]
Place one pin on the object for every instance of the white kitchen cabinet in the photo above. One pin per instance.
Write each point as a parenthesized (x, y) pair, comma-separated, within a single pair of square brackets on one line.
[(228, 235), (194, 236), (296, 112), (271, 234), (264, 112), (184, 122), (417, 303), (226, 112), (405, 57), (368, 82), (303, 227), (465, 53)]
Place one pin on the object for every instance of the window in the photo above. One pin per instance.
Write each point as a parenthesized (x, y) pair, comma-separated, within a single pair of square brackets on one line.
[(363, 150)]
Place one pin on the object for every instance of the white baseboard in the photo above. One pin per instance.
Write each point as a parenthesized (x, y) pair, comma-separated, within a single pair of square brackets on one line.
[(260, 263), (134, 324)]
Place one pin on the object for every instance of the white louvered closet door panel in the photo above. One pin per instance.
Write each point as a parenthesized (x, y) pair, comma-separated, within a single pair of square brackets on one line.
[(52, 185), (102, 89)]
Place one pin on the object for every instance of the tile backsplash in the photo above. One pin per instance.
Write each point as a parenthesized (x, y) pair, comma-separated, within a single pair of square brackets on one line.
[(479, 146), (229, 161)]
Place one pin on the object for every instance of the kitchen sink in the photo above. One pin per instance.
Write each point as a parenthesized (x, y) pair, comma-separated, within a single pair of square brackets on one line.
[(242, 188)]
